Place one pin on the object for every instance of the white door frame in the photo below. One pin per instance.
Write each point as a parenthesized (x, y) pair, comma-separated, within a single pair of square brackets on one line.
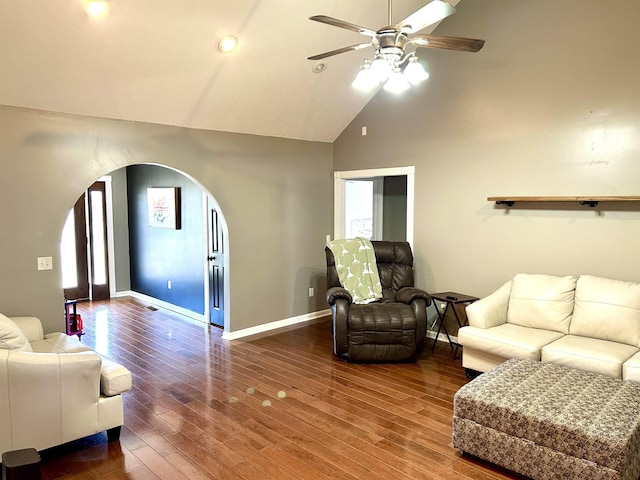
[(111, 253), (340, 178)]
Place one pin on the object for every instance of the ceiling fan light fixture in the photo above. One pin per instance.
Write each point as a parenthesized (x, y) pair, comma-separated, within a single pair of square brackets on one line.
[(414, 72), (381, 69), (393, 65), (396, 83), (365, 79)]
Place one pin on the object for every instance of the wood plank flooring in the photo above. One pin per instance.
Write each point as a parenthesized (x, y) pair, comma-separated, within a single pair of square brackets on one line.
[(276, 407)]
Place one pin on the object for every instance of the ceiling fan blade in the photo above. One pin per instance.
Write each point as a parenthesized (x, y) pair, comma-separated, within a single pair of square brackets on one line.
[(431, 13), (320, 56), (450, 43), (342, 24)]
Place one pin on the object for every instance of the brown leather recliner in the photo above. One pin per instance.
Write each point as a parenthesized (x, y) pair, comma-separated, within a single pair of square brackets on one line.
[(392, 329)]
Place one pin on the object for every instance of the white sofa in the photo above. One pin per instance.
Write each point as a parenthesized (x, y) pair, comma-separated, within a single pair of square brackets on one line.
[(586, 322), (54, 389)]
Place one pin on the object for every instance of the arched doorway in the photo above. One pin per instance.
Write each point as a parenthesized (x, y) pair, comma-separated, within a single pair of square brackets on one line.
[(182, 267)]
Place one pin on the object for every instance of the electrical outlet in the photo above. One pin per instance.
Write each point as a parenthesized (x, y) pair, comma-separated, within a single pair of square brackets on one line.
[(169, 284), (45, 263), (311, 291)]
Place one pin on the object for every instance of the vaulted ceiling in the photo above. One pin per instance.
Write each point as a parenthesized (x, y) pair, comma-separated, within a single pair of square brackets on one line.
[(157, 61)]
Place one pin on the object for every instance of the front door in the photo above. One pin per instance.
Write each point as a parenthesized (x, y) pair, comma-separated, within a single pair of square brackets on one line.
[(97, 224), (215, 259), (85, 263), (75, 269)]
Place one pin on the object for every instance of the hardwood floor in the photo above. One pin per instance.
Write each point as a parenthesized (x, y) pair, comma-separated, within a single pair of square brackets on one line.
[(276, 407)]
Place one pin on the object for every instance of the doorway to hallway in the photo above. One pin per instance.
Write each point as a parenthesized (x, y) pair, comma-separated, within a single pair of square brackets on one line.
[(362, 196)]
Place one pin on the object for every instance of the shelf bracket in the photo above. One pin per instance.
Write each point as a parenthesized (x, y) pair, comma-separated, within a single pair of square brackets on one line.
[(591, 203), (507, 203)]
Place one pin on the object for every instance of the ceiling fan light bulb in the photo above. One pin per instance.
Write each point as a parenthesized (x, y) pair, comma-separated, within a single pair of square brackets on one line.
[(366, 79), (381, 69), (415, 73), (396, 83)]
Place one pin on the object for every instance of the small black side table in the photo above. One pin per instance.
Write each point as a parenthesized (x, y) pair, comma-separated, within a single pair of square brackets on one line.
[(451, 299)]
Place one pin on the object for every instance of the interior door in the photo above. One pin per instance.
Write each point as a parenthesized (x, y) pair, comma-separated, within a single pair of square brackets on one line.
[(215, 259), (363, 208)]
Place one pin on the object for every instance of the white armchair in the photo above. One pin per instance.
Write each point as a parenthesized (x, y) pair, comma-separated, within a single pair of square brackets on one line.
[(54, 389)]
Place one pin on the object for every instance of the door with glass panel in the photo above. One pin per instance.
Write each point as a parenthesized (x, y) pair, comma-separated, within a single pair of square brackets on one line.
[(85, 267)]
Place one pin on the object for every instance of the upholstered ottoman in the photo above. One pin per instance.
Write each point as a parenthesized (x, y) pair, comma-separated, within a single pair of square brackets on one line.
[(546, 421)]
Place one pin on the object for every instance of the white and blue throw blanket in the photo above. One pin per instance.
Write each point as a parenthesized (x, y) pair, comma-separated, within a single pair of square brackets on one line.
[(357, 269)]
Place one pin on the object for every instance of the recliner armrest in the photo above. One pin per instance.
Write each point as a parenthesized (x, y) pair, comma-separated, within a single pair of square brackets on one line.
[(409, 294), (335, 293)]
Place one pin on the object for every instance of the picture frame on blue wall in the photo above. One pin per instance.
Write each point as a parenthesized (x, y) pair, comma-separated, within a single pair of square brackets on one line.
[(163, 207)]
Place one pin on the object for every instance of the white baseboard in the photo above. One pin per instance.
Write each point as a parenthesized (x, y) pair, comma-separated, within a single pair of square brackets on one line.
[(442, 337), (258, 329), (166, 305), (267, 327), (245, 332)]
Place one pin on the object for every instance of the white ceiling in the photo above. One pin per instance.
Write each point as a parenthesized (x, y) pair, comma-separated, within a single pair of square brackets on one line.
[(157, 61)]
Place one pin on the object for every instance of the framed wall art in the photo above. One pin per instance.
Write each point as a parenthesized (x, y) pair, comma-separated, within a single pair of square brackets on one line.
[(163, 207)]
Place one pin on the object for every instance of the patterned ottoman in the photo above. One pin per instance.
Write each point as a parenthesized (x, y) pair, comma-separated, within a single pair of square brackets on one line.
[(550, 422)]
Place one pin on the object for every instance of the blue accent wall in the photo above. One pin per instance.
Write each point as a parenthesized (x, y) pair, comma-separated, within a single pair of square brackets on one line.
[(158, 255)]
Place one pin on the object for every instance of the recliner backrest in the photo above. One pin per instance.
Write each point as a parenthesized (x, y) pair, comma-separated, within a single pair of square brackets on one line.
[(395, 267)]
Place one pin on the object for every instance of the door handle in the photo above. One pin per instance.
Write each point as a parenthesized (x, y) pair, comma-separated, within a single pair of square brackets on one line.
[(211, 257)]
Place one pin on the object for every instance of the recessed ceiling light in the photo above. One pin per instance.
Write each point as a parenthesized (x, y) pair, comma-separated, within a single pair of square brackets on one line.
[(319, 67), (96, 8), (228, 44)]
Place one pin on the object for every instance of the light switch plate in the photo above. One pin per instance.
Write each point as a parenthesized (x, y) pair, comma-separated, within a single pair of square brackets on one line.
[(45, 263)]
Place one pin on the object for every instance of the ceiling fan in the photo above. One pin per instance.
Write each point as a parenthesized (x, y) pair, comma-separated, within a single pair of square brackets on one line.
[(389, 44)]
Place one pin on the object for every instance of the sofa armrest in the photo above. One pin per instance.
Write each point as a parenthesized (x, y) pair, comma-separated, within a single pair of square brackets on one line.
[(55, 395), (30, 326), (114, 378), (490, 311)]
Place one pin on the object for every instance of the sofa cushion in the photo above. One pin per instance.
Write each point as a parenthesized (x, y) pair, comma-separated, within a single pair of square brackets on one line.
[(542, 301), (11, 337), (607, 309), (591, 354), (508, 340)]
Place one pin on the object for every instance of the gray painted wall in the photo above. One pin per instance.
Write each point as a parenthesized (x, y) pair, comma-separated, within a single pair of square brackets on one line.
[(275, 194), (394, 209), (550, 106)]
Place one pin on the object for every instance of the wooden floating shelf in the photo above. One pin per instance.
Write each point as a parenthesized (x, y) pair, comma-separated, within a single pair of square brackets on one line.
[(589, 201)]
